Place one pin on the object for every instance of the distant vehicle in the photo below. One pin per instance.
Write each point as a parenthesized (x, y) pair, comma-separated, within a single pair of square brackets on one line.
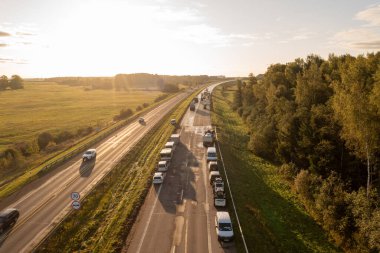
[(220, 199), (166, 154), (213, 166), (163, 166), (158, 178), (212, 176), (218, 184), (8, 218), (223, 227), (208, 138), (89, 154), (141, 120), (170, 144), (211, 154), (196, 100), (192, 106), (173, 121), (174, 138)]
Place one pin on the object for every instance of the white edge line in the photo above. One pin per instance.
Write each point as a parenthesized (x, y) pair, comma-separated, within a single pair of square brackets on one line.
[(148, 222)]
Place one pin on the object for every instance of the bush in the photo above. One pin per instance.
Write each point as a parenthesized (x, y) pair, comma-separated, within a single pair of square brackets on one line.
[(161, 97), (124, 113), (11, 159), (44, 139), (63, 136), (288, 171), (171, 88), (84, 131), (145, 105), (307, 186), (139, 108)]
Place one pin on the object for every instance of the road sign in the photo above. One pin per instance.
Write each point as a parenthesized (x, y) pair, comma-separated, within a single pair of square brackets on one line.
[(75, 196), (75, 205)]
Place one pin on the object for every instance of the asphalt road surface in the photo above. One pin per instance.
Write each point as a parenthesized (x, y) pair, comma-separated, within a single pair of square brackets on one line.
[(179, 215), (43, 203)]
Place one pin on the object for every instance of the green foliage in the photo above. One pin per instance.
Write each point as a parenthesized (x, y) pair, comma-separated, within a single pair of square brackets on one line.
[(4, 82), (44, 139), (16, 82), (11, 159)]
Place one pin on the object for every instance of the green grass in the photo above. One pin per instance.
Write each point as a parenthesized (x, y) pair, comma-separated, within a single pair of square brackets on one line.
[(47, 106), (108, 212), (272, 218)]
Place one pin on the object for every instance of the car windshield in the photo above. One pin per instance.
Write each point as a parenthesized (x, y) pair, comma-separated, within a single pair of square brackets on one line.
[(88, 152), (219, 185), (225, 227), (157, 178), (211, 155)]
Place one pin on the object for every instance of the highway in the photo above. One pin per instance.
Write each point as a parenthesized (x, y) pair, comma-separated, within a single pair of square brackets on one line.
[(179, 215), (44, 202)]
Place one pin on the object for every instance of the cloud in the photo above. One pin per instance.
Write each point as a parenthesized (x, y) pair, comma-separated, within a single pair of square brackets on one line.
[(6, 60), (364, 37), (371, 16), (14, 61), (4, 34), (25, 34)]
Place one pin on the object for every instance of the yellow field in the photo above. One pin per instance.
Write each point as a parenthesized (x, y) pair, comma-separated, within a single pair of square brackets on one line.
[(47, 106)]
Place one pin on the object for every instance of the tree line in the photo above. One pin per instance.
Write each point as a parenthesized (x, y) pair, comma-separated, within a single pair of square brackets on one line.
[(320, 119), (16, 82)]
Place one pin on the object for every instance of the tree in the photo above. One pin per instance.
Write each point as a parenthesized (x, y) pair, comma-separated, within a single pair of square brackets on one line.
[(4, 82), (16, 82), (359, 119)]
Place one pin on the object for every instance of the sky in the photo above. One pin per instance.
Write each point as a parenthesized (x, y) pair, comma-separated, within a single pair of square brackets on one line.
[(47, 38)]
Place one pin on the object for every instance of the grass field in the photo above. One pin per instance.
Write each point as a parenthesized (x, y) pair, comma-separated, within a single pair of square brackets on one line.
[(47, 106), (109, 210), (271, 217)]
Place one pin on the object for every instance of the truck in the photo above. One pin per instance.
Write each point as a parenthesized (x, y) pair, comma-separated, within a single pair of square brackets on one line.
[(208, 138), (192, 106)]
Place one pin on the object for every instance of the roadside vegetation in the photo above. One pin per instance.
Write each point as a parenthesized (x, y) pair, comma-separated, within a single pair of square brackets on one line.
[(272, 218), (108, 212), (320, 121)]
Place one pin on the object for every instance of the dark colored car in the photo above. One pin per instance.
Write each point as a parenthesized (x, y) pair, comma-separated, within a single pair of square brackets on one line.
[(8, 218)]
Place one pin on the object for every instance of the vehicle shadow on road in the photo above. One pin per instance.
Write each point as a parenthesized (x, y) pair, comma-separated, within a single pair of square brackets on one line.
[(203, 112), (4, 235), (179, 181), (86, 168)]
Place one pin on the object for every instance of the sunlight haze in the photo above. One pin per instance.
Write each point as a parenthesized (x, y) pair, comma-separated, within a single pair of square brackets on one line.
[(42, 38)]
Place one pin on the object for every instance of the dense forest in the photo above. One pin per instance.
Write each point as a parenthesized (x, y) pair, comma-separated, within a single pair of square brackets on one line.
[(124, 82), (320, 120)]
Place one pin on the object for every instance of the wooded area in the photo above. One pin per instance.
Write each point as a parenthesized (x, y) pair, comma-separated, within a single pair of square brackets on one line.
[(320, 119)]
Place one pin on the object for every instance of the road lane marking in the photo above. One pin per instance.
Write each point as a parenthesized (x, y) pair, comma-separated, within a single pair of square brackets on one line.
[(150, 217)]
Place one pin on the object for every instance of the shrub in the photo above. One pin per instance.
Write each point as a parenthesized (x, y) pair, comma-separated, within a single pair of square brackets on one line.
[(124, 113), (307, 186), (84, 131), (161, 97), (63, 136), (44, 139), (145, 105), (288, 171), (11, 159), (139, 108)]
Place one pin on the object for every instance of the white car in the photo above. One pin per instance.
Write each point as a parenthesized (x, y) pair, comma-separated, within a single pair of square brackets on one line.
[(173, 121), (223, 226), (163, 166), (89, 154), (158, 178)]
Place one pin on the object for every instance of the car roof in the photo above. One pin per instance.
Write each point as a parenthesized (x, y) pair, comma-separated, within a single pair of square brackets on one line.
[(216, 173), (162, 162), (223, 217), (213, 162), (211, 149), (91, 150), (174, 135), (158, 174), (170, 143), (7, 211), (166, 150)]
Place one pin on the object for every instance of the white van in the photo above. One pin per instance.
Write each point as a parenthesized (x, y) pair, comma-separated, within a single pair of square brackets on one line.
[(223, 227), (166, 154), (174, 138), (211, 154), (170, 144), (163, 166)]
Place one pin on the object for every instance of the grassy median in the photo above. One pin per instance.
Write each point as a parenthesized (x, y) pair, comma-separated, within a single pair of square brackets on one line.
[(108, 212), (271, 217)]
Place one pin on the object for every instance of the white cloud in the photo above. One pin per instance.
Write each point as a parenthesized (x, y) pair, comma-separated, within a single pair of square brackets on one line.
[(371, 16), (364, 37)]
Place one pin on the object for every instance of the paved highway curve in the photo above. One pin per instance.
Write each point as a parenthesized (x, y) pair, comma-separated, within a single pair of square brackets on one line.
[(178, 216), (44, 203)]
